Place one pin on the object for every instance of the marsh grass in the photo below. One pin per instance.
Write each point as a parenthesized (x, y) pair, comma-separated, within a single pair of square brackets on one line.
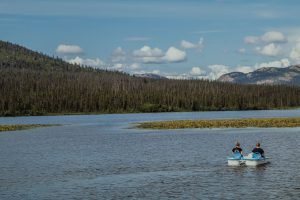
[(15, 127), (223, 123)]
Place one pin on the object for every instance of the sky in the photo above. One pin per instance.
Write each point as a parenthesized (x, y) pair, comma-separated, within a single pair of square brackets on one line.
[(174, 38)]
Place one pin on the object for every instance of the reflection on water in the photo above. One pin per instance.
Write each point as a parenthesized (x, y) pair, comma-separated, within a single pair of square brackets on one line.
[(98, 157)]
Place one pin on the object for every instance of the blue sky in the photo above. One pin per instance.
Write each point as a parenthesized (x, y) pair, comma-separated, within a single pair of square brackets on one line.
[(179, 39)]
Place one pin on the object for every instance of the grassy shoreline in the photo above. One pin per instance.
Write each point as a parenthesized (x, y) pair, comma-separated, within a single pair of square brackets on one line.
[(15, 127), (224, 123), (140, 112)]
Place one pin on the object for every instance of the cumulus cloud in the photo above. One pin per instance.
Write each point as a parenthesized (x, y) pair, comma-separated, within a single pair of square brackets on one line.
[(251, 39), (217, 71), (147, 51), (87, 62), (174, 55), (155, 55), (189, 45), (135, 66), (269, 50), (267, 37), (118, 55), (68, 49), (147, 72), (244, 69), (119, 52), (196, 71), (117, 67), (156, 71), (148, 55), (273, 36), (295, 53), (179, 76), (278, 63), (213, 72), (124, 67)]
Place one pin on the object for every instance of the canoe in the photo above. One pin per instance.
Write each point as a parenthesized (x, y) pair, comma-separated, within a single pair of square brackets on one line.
[(235, 160), (255, 159)]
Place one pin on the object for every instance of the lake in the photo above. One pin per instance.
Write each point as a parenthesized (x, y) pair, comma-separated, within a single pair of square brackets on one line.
[(104, 157)]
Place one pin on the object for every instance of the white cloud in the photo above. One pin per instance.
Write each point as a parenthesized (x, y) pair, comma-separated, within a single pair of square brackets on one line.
[(292, 33), (273, 36), (149, 60), (213, 72), (186, 76), (251, 39), (179, 76), (68, 49), (156, 72), (147, 51), (123, 67), (269, 50), (267, 37), (175, 55), (119, 52), (217, 71), (135, 66), (87, 62), (155, 55), (118, 55), (148, 55), (278, 63), (147, 72), (197, 71), (295, 53), (117, 67), (189, 45), (244, 69)]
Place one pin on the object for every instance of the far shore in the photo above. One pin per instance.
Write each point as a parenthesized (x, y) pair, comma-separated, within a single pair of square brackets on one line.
[(224, 123), (137, 112), (15, 127)]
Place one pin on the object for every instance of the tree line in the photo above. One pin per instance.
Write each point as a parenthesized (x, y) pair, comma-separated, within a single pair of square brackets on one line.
[(35, 84)]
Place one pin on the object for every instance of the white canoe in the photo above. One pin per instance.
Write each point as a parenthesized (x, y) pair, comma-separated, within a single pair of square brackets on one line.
[(253, 160), (235, 162), (256, 162)]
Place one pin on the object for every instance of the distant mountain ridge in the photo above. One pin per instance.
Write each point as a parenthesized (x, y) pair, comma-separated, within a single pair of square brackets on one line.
[(266, 75)]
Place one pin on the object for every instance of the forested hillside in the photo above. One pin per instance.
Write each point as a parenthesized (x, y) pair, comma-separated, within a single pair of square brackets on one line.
[(35, 84)]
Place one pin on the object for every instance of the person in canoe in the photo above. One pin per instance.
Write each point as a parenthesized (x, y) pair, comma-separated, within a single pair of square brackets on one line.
[(258, 149), (238, 149)]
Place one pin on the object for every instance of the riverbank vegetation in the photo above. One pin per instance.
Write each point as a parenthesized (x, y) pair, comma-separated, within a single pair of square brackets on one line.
[(35, 84), (14, 127), (223, 123)]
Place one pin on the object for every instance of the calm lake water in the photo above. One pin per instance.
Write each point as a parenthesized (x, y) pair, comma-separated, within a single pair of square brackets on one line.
[(103, 157)]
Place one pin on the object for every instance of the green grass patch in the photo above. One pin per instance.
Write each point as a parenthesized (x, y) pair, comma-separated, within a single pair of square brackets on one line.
[(15, 127), (224, 123)]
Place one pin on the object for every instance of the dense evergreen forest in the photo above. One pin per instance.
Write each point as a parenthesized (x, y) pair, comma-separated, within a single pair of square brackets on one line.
[(35, 84)]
